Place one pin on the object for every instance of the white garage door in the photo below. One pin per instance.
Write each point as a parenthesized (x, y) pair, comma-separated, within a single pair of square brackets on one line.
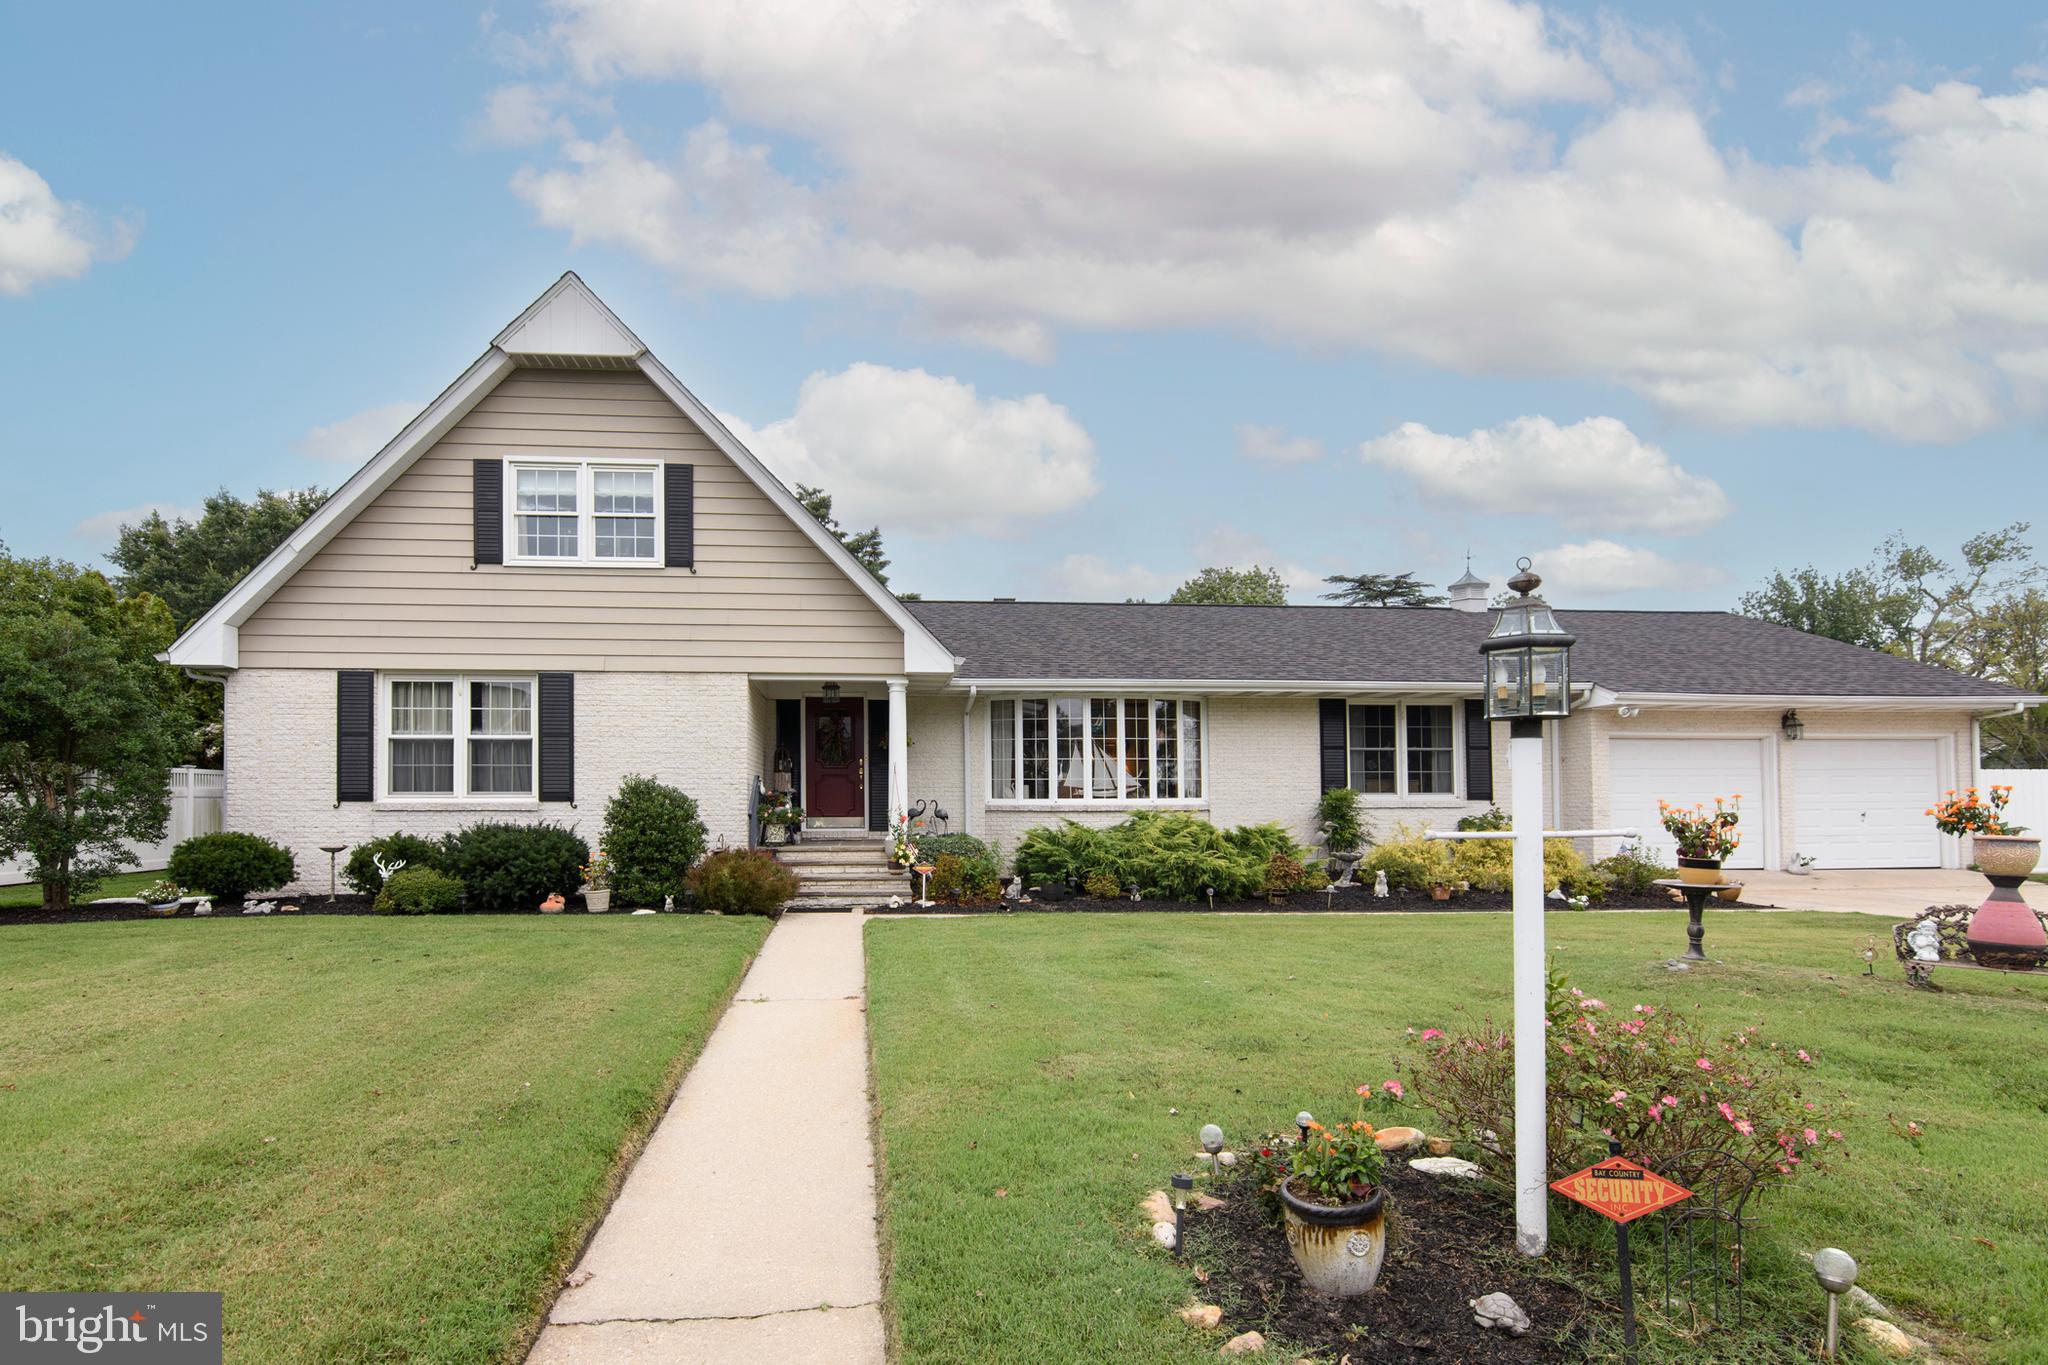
[(1862, 802), (1641, 772)]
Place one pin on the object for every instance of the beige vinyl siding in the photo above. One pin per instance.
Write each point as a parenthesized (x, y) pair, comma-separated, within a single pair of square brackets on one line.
[(395, 589)]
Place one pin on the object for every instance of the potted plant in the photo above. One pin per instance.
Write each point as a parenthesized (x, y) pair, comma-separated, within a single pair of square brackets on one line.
[(163, 896), (1343, 827), (1440, 891), (597, 884), (780, 824), (902, 849), (2004, 931), (1704, 838), (1335, 1207)]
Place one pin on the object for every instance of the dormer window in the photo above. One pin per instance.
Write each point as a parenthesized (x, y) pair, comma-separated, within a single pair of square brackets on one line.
[(583, 512)]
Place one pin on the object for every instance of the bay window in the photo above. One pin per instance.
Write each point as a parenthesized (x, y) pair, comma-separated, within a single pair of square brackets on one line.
[(1076, 750), (583, 512), (1403, 749), (458, 737)]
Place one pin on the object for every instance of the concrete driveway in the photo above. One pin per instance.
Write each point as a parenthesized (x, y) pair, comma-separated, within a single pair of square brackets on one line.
[(1894, 893)]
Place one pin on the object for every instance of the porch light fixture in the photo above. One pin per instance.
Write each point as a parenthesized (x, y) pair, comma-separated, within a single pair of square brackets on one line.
[(831, 691), (1528, 656), (1793, 727)]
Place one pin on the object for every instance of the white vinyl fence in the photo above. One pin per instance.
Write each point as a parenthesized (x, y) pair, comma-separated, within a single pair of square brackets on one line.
[(2029, 795), (196, 796)]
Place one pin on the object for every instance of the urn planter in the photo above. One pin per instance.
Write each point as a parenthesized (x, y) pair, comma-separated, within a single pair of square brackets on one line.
[(597, 900), (1339, 1247), (1700, 871), (2005, 932)]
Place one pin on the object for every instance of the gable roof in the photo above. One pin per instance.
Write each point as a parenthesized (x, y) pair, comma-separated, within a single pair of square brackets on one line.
[(1630, 653), (567, 327)]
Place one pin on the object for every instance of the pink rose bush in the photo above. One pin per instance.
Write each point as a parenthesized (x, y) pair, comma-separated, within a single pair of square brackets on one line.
[(1662, 1087)]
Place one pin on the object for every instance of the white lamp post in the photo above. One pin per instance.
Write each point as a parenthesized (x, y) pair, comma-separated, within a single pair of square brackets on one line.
[(1528, 678)]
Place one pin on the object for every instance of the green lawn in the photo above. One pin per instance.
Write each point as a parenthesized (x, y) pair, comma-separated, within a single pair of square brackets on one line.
[(29, 895), (1039, 1055), (382, 1139)]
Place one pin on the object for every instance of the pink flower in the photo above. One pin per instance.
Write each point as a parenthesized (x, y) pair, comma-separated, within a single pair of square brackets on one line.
[(1783, 1169), (1430, 1033), (1744, 1127), (1803, 1057), (1835, 1133), (1590, 1003), (1617, 1097), (1591, 1031), (1705, 1065), (1656, 1112), (1393, 1088), (1810, 1136), (1631, 1026), (1727, 1110), (1669, 1101), (1565, 1048)]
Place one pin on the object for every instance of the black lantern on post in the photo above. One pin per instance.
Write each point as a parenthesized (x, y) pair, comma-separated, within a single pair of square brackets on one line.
[(1528, 656)]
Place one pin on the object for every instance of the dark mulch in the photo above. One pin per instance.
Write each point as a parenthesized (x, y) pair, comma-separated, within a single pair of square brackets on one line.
[(1345, 900), (222, 910), (1447, 1244)]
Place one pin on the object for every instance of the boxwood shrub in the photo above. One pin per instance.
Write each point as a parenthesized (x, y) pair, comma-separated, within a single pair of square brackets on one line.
[(742, 881), (652, 835), (419, 891), (230, 865), (511, 867), (410, 849)]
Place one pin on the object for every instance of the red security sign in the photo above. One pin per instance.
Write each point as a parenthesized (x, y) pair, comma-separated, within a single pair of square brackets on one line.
[(1620, 1190)]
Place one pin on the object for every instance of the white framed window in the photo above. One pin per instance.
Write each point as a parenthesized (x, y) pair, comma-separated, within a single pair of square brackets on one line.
[(591, 512), (1403, 748), (457, 737), (1073, 750)]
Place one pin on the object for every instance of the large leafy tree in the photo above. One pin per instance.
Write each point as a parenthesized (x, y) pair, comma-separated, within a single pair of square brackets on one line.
[(1856, 606), (191, 565), (2013, 644), (1950, 600), (865, 546), (90, 723), (1382, 590), (1253, 587)]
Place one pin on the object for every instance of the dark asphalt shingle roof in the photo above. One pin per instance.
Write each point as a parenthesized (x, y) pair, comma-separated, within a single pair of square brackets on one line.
[(1624, 651)]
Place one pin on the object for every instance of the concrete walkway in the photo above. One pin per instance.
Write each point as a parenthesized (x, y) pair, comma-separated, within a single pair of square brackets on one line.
[(1894, 893), (746, 1231)]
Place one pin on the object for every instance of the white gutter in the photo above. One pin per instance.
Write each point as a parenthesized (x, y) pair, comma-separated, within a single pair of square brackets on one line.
[(967, 763)]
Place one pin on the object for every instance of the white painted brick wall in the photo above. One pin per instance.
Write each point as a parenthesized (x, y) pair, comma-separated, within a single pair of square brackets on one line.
[(691, 730)]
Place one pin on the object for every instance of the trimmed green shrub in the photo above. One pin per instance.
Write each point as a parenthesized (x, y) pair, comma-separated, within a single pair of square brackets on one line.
[(1489, 864), (509, 867), (361, 870), (1063, 853), (1264, 842), (1411, 862), (230, 866), (1493, 818), (1341, 821), (1632, 871), (742, 881), (964, 880), (1167, 855), (1563, 867), (419, 891), (932, 847), (1101, 886), (653, 835)]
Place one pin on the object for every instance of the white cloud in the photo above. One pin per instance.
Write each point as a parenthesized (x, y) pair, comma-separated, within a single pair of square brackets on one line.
[(523, 114), (1274, 445), (1091, 578), (1381, 175), (355, 439), (102, 529), (1227, 547), (1594, 473), (1603, 568), (925, 455), (44, 238)]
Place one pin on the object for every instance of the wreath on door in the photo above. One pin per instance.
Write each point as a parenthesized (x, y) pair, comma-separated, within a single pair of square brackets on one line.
[(835, 740)]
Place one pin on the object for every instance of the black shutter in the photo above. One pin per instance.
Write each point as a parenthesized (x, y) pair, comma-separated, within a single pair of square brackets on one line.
[(487, 511), (355, 743), (679, 511), (1478, 753), (878, 765), (558, 737), (1330, 722), (789, 735)]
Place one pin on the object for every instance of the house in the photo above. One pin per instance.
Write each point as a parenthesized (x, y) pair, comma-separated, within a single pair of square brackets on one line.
[(566, 570)]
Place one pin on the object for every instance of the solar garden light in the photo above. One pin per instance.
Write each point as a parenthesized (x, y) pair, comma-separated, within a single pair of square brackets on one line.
[(1527, 680), (1302, 1121), (1836, 1271), (1212, 1143), (1182, 1182), (1212, 897)]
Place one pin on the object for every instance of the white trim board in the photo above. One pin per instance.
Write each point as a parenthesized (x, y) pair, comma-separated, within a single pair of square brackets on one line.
[(566, 315)]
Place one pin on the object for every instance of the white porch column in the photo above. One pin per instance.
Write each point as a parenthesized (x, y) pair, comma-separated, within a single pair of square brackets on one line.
[(899, 749)]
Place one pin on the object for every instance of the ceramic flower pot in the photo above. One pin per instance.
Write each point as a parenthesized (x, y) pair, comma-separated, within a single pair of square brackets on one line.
[(597, 902), (1339, 1248), (1700, 871), (2005, 855)]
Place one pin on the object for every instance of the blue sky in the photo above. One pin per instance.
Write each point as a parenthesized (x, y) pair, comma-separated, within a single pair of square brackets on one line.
[(1663, 295)]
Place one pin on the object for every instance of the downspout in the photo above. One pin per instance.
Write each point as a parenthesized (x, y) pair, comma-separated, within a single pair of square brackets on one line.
[(967, 762)]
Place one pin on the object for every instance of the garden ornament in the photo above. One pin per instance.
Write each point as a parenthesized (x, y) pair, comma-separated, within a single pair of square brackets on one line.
[(1925, 941), (384, 869), (1836, 1271), (1379, 885)]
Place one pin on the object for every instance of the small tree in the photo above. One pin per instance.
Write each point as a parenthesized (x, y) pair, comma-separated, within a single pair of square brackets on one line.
[(1382, 590), (1253, 587), (90, 723), (865, 546), (652, 834)]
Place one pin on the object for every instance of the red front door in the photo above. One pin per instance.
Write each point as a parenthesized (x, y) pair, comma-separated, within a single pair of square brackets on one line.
[(836, 760)]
